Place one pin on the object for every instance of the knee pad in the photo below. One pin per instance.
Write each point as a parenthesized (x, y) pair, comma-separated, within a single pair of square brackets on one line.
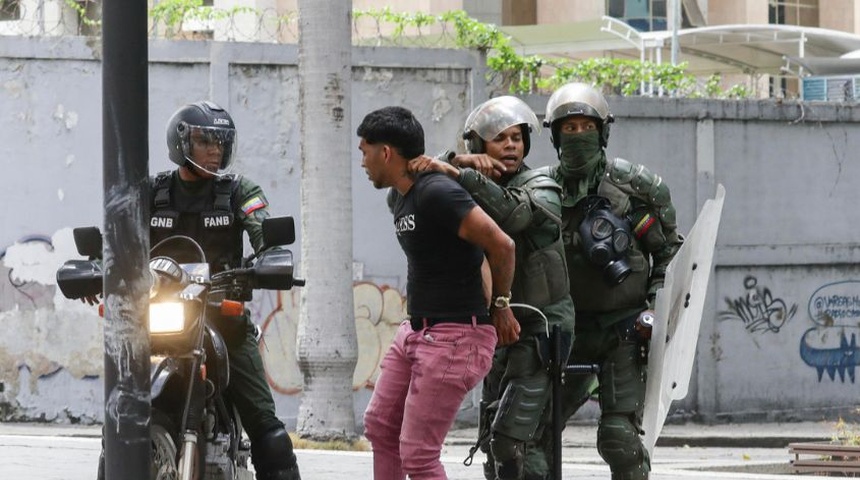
[(521, 407), (508, 455), (273, 456), (619, 444)]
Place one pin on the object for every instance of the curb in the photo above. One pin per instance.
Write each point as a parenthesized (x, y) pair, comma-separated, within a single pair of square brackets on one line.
[(734, 442), (712, 441)]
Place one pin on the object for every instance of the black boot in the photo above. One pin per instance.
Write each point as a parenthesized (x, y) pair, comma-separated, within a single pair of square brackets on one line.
[(490, 469), (273, 457)]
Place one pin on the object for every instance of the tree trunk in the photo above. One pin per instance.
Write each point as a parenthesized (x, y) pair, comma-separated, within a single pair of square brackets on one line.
[(327, 350)]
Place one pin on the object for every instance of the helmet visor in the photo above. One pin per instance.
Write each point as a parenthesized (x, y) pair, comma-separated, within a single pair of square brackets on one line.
[(209, 148), (498, 114)]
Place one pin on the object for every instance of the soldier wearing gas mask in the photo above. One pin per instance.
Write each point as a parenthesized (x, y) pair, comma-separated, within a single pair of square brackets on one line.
[(526, 204), (620, 234)]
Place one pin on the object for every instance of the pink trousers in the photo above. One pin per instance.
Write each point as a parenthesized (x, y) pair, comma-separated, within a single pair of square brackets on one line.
[(425, 377)]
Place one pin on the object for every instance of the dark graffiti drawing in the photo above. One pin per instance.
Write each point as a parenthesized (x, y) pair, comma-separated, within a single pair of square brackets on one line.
[(32, 238), (834, 360), (34, 293), (758, 309)]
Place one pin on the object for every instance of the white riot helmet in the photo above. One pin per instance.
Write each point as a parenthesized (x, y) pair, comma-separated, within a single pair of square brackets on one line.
[(493, 117), (577, 99)]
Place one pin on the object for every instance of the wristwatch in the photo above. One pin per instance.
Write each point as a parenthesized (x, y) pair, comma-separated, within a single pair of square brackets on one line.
[(502, 301)]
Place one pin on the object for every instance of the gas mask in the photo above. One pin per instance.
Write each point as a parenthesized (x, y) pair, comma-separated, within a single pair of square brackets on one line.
[(605, 238)]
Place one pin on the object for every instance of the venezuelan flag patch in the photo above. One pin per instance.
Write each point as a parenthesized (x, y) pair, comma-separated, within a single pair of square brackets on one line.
[(253, 204), (644, 225)]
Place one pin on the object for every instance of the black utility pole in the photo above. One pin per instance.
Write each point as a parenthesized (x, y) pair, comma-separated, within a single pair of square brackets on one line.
[(125, 117)]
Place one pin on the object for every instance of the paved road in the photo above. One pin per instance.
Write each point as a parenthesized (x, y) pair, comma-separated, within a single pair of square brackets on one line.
[(70, 453)]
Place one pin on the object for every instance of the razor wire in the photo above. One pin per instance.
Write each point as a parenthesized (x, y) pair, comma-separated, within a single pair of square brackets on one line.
[(237, 24)]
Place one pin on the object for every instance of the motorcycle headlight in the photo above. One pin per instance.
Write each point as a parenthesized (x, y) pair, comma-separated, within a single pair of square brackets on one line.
[(166, 317)]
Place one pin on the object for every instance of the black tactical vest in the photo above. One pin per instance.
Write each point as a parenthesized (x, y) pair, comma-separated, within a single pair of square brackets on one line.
[(207, 216)]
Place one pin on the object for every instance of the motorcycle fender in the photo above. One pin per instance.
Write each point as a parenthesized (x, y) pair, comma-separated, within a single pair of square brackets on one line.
[(161, 371)]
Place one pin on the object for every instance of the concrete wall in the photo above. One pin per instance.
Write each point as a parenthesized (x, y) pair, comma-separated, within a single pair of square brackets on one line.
[(841, 15), (50, 92), (778, 338)]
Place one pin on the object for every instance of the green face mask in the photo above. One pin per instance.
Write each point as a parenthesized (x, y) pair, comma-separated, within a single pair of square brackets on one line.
[(579, 153)]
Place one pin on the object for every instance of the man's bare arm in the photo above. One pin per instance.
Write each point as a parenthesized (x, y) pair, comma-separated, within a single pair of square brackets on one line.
[(479, 229)]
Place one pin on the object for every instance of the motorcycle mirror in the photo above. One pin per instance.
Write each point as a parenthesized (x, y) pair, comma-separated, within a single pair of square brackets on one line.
[(80, 278), (88, 240), (274, 270), (278, 231)]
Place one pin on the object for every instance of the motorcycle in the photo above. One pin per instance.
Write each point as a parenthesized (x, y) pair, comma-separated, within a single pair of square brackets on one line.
[(195, 430)]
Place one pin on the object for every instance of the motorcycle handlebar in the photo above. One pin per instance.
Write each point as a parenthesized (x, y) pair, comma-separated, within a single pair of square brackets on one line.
[(227, 276)]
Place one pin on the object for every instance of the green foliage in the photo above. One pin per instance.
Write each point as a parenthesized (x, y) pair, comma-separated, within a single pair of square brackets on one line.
[(712, 86), (526, 74), (173, 12), (507, 69), (738, 91), (846, 434), (82, 13)]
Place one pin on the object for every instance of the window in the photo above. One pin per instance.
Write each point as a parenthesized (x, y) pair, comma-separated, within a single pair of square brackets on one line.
[(10, 9), (643, 15), (793, 12)]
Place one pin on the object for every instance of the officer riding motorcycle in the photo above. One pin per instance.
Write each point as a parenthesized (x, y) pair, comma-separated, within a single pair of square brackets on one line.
[(201, 201)]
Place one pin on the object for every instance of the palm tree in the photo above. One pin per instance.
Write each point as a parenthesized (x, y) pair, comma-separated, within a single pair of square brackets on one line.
[(327, 349)]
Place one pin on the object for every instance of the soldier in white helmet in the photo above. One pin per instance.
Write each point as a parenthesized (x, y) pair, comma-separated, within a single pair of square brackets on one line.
[(526, 204)]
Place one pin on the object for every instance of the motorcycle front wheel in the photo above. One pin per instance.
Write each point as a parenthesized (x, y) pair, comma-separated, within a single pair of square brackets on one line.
[(163, 454), (163, 465)]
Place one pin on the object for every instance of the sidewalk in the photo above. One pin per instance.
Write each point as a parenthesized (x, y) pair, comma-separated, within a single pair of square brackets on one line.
[(690, 451), (684, 452), (748, 435)]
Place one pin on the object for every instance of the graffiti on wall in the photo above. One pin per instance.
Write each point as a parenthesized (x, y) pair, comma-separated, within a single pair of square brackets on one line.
[(830, 346), (758, 309), (27, 291), (19, 290), (49, 340), (378, 312)]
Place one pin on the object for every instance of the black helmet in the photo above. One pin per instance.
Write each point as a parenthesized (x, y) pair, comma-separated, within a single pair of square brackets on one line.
[(577, 99), (495, 116), (206, 120)]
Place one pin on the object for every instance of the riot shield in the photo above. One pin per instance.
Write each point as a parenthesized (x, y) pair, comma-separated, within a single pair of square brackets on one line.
[(678, 314)]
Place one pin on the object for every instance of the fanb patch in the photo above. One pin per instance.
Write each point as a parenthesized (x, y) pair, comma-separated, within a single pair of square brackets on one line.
[(217, 220), (253, 204)]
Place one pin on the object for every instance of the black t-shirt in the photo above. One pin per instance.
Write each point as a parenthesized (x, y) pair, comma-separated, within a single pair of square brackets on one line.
[(444, 271)]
